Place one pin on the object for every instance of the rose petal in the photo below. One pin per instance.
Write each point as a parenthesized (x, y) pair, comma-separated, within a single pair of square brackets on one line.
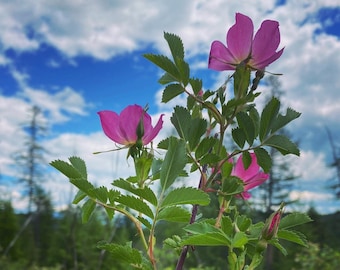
[(110, 124), (240, 36), (220, 57), (151, 134)]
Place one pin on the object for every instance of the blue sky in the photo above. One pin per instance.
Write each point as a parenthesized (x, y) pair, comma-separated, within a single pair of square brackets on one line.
[(74, 58)]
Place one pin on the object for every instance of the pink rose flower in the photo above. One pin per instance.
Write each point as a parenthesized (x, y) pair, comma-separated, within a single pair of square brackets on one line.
[(257, 53), (122, 128), (252, 177)]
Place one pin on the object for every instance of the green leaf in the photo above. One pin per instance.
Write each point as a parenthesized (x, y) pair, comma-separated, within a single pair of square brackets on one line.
[(294, 219), (283, 145), (136, 204), (232, 185), (113, 195), (167, 78), (254, 115), (239, 136), (186, 195), (146, 193), (175, 44), (174, 214), (246, 124), (83, 185), (246, 159), (243, 223), (205, 146), (125, 254), (268, 117), (164, 63), (196, 85), (184, 70), (227, 225), (65, 168), (263, 159), (202, 227), (207, 239), (79, 165), (188, 128), (145, 222), (171, 91), (239, 240), (283, 120), (79, 197), (101, 194), (87, 210), (174, 162), (276, 243), (293, 236)]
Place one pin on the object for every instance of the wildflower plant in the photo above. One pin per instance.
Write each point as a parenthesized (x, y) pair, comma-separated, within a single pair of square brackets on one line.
[(199, 148)]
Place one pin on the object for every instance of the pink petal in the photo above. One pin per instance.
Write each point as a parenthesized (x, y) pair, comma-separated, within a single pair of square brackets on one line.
[(128, 121), (256, 180), (220, 57), (110, 124), (252, 170), (266, 41), (261, 65), (240, 37), (151, 133)]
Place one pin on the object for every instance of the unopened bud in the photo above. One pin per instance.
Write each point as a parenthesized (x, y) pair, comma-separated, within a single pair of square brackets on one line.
[(272, 224)]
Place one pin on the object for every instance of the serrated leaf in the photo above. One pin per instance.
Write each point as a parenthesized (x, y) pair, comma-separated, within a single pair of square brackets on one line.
[(283, 120), (110, 212), (184, 70), (246, 159), (276, 243), (135, 204), (145, 222), (146, 193), (87, 210), (65, 168), (232, 185), (101, 194), (268, 117), (227, 225), (243, 223), (125, 254), (254, 115), (174, 214), (239, 136), (113, 195), (174, 162), (207, 239), (164, 63), (239, 240), (167, 78), (79, 165), (246, 124), (196, 85), (186, 195), (83, 185), (79, 197), (171, 91), (294, 219), (293, 236), (175, 44), (205, 146), (283, 145), (264, 160)]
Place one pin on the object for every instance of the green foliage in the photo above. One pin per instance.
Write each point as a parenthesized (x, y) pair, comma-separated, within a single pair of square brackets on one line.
[(174, 162), (185, 195)]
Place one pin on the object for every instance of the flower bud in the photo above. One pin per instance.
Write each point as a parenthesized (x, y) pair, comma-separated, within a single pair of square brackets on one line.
[(272, 224)]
